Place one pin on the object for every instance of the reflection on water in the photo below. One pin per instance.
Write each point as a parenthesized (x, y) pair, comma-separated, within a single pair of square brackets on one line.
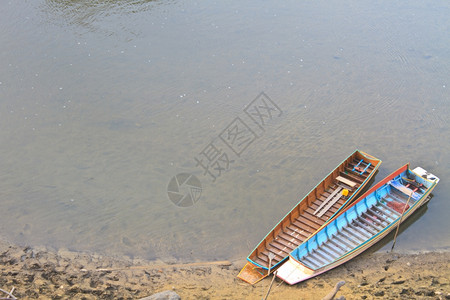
[(102, 103), (96, 16)]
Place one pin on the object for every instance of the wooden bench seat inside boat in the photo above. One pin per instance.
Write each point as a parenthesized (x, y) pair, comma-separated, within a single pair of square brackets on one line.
[(346, 181)]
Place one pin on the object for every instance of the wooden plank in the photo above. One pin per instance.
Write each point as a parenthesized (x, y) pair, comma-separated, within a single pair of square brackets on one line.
[(332, 210), (359, 229), (379, 222), (332, 202), (331, 249), (364, 225), (301, 226), (318, 260), (353, 177), (327, 200), (310, 262), (261, 262), (343, 242), (362, 220), (285, 243), (336, 245), (266, 255), (327, 252), (279, 255), (346, 181), (281, 247), (327, 213), (402, 189), (317, 252), (299, 233), (313, 218), (290, 238), (311, 224), (352, 237), (386, 214)]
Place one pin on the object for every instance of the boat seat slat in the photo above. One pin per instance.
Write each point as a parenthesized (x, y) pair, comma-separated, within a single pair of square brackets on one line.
[(313, 218), (285, 243), (393, 212), (331, 196), (402, 189), (353, 176), (344, 240), (281, 247), (297, 232), (386, 214), (336, 251), (325, 248), (365, 226), (336, 244), (358, 229), (380, 217), (277, 256), (346, 181), (315, 258), (367, 215), (261, 262), (329, 205), (302, 226), (316, 253), (290, 238), (309, 223), (327, 214), (281, 254), (374, 225), (352, 236), (310, 262)]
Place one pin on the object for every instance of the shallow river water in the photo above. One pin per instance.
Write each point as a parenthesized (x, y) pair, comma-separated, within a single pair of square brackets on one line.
[(105, 105)]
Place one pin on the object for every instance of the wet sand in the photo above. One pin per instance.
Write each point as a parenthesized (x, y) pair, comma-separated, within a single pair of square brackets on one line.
[(37, 273)]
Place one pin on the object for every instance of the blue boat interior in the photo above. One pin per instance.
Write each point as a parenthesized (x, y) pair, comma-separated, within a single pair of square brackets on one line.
[(363, 221)]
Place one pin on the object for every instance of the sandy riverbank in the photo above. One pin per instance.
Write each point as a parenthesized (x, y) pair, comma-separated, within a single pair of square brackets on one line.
[(36, 273)]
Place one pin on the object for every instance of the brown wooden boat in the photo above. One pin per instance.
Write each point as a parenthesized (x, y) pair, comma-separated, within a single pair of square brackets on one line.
[(335, 192)]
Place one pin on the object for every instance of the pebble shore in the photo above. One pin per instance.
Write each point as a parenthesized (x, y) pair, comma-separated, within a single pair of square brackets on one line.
[(40, 274)]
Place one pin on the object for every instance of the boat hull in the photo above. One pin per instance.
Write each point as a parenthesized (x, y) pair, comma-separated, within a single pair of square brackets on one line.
[(376, 212), (313, 212)]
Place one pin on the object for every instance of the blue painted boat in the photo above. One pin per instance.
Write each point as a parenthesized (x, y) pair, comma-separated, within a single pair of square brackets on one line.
[(336, 191), (360, 225)]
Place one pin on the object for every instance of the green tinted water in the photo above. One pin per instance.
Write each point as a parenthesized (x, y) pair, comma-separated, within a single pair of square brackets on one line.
[(101, 104)]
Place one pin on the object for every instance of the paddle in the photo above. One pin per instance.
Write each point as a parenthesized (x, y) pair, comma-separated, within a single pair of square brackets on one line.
[(400, 221), (270, 286), (271, 256)]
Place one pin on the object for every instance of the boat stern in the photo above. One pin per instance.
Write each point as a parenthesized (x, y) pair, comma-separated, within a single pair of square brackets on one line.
[(425, 174), (293, 272), (252, 274)]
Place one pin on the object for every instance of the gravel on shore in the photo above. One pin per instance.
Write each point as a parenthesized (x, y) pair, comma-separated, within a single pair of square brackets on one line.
[(41, 274)]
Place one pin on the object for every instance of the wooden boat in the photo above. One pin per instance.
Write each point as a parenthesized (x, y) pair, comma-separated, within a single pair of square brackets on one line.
[(361, 225), (322, 203)]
